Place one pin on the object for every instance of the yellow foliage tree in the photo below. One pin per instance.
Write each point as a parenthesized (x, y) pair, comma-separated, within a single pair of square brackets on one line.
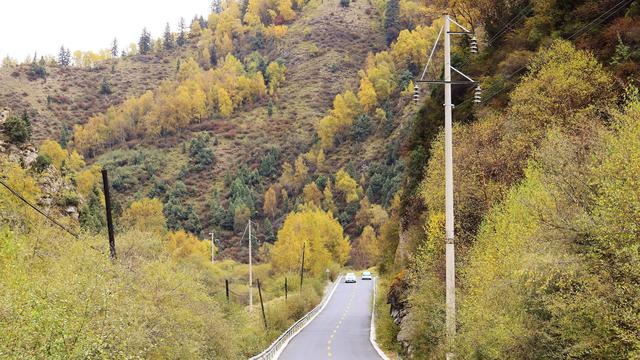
[(366, 250), (54, 151), (225, 106), (347, 186), (196, 29), (367, 94), (183, 245), (270, 204), (312, 194), (145, 215), (75, 161), (329, 205), (276, 75), (302, 171), (322, 236), (285, 10)]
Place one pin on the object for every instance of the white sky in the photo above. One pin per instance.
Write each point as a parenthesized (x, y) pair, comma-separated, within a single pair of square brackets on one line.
[(44, 25)]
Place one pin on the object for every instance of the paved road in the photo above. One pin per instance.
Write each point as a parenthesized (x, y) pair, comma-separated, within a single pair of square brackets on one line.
[(340, 331)]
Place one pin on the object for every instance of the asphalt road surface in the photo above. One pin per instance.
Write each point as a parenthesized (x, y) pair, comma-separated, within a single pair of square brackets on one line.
[(341, 330)]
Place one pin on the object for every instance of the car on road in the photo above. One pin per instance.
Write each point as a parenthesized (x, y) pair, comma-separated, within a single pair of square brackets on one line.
[(350, 278), (366, 275)]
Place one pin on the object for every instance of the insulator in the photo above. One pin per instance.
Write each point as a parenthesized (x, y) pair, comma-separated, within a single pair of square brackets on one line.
[(474, 45), (477, 95), (416, 93)]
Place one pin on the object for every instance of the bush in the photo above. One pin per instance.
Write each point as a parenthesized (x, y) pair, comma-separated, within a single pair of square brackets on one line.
[(344, 3), (200, 154), (105, 88), (18, 130), (42, 162)]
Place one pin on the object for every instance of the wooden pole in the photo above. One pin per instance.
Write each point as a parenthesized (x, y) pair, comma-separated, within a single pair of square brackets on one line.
[(226, 286), (264, 316), (107, 198), (286, 288), (302, 268)]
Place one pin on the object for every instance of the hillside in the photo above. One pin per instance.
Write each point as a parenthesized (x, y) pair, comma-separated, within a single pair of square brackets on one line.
[(296, 118), (69, 96)]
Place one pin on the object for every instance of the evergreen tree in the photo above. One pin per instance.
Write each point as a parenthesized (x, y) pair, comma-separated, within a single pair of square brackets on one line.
[(64, 57), (92, 215), (114, 48), (65, 135), (18, 130), (181, 35), (268, 231), (168, 42), (144, 44), (216, 6), (216, 211), (105, 88), (200, 154), (392, 20)]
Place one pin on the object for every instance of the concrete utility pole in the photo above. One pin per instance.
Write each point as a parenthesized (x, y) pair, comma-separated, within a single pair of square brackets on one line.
[(250, 271), (448, 181), (450, 277), (213, 249)]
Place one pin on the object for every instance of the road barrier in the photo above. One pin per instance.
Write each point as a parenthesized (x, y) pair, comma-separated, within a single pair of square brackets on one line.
[(273, 351)]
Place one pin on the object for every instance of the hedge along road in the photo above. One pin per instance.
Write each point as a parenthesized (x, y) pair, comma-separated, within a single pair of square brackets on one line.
[(341, 330)]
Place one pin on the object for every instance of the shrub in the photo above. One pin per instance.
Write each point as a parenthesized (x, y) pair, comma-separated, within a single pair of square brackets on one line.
[(42, 162), (18, 130), (344, 3)]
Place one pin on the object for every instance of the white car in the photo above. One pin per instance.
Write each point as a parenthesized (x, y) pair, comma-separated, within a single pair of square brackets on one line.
[(366, 275), (350, 278)]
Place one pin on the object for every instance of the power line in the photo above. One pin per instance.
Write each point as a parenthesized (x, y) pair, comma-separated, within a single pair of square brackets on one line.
[(523, 13), (16, 194), (619, 6)]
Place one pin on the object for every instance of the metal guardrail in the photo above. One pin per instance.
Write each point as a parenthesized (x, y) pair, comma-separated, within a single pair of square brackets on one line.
[(273, 351)]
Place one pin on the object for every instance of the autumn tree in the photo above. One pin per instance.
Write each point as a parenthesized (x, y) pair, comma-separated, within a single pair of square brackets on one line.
[(347, 186), (225, 105), (182, 245), (270, 204), (367, 94), (366, 249), (53, 151), (312, 194), (276, 75), (322, 236), (145, 215), (328, 203)]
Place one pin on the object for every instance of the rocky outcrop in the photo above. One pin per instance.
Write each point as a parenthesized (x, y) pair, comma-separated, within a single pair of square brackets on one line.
[(4, 114), (399, 308)]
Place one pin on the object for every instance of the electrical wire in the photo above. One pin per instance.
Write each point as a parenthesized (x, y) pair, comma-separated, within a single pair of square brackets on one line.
[(607, 14), (16, 194), (522, 14)]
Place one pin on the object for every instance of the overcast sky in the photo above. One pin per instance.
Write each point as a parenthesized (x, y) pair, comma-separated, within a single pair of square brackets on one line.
[(44, 25)]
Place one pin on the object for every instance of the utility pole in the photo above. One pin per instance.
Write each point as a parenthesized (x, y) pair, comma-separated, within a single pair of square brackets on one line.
[(250, 271), (302, 267), (107, 201), (448, 180), (213, 249), (450, 277)]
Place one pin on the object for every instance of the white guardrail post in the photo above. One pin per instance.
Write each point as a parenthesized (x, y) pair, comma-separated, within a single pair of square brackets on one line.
[(274, 350)]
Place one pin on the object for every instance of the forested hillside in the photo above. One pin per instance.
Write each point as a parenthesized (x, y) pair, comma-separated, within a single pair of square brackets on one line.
[(297, 116)]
